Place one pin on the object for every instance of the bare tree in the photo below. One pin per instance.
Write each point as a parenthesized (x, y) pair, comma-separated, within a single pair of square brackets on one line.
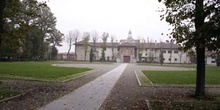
[(69, 41), (76, 34), (104, 39), (151, 54), (180, 53), (86, 38), (95, 38), (112, 41), (171, 46), (71, 38), (141, 47)]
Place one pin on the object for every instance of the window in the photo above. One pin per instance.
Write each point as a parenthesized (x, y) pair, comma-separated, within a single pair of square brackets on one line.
[(163, 59), (212, 61), (176, 51), (175, 59), (169, 51), (169, 59), (164, 51)]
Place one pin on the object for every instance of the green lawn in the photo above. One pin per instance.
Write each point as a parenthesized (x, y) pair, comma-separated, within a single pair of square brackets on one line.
[(186, 105), (38, 71), (5, 93), (183, 77)]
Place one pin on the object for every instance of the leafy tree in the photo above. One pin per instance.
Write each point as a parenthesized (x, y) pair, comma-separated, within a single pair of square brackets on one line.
[(54, 52), (46, 21), (2, 7), (104, 39), (56, 38), (15, 28), (29, 25), (195, 24)]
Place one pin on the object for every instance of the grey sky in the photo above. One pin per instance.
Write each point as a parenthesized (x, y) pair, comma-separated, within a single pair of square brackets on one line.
[(116, 17)]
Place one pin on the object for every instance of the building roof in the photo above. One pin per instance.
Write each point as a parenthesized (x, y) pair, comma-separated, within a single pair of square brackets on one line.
[(128, 44)]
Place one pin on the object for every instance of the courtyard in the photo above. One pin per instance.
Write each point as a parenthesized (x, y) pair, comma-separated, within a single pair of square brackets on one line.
[(136, 86)]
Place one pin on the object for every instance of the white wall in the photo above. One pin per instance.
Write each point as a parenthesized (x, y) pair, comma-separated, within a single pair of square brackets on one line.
[(81, 52), (108, 53)]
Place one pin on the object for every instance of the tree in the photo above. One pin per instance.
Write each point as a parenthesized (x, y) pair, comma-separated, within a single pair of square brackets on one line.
[(150, 51), (195, 24), (86, 38), (171, 46), (76, 38), (95, 37), (30, 25), (112, 41), (69, 41), (46, 21), (141, 47), (104, 39), (161, 58), (71, 38), (54, 52), (56, 37), (2, 7), (180, 53), (192, 55), (91, 56), (18, 22)]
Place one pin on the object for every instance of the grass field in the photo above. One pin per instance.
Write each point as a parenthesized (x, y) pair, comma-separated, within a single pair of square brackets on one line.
[(38, 71), (5, 93), (186, 105), (183, 77)]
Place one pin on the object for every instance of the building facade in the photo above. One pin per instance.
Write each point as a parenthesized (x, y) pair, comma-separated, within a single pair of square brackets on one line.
[(131, 50)]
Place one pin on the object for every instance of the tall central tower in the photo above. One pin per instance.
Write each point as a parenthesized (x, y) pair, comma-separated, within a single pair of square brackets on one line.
[(130, 39)]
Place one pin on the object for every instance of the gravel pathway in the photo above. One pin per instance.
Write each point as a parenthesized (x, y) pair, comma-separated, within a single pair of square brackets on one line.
[(90, 96)]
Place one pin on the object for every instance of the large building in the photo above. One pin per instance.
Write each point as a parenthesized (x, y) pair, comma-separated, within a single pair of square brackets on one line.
[(131, 50)]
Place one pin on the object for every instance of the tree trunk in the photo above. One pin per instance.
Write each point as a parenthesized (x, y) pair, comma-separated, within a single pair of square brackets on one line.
[(200, 74), (218, 61), (85, 55), (75, 48), (200, 50), (2, 6), (68, 53)]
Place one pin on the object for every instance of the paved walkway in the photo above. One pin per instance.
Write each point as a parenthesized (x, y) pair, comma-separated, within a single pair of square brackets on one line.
[(90, 96)]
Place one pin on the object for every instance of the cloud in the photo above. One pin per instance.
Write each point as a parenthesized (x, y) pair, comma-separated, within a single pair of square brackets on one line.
[(113, 16)]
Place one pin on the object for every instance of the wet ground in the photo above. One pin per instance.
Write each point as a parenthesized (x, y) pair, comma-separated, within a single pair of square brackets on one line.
[(112, 86)]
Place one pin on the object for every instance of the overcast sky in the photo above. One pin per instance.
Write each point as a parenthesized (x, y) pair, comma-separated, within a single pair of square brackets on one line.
[(116, 17)]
